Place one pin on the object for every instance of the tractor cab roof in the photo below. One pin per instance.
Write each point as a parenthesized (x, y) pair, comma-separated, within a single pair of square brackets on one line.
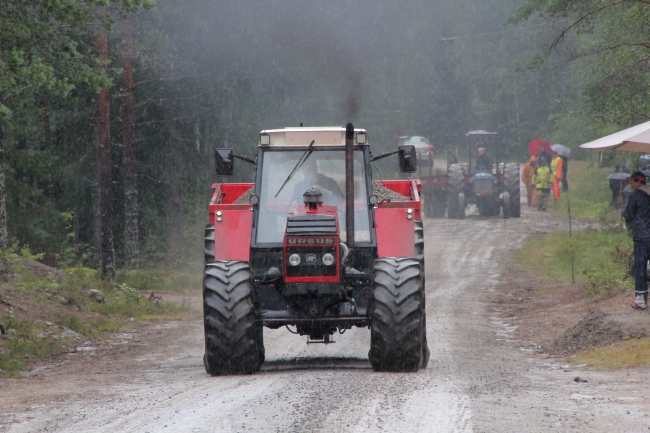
[(302, 136)]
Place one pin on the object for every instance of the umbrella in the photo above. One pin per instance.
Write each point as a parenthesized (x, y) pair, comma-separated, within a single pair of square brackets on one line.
[(561, 150), (618, 176), (536, 146), (634, 139), (480, 132)]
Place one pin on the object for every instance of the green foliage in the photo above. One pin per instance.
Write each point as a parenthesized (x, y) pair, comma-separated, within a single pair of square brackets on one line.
[(129, 293), (597, 259), (589, 193), (76, 324), (608, 279), (152, 280), (122, 305), (26, 344), (608, 40), (599, 256)]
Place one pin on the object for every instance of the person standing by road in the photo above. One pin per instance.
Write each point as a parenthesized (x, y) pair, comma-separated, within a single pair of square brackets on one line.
[(543, 178), (556, 168), (451, 158), (565, 169), (543, 156), (527, 179), (637, 217)]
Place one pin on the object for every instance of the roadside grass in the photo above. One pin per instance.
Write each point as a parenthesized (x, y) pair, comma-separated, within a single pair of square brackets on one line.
[(599, 259), (600, 256), (24, 343), (632, 353), (65, 303), (589, 192), (122, 301), (154, 280)]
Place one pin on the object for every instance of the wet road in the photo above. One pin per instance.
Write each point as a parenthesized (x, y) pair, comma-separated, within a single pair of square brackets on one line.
[(478, 380)]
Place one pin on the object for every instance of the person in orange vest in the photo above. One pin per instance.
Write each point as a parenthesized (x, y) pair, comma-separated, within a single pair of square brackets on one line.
[(556, 168), (527, 179)]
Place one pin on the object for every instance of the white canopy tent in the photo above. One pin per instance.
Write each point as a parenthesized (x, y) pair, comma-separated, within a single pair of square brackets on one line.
[(634, 139)]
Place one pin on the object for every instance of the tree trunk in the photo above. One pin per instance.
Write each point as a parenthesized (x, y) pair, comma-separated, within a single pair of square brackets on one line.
[(3, 207), (102, 138), (130, 164), (46, 117), (174, 196)]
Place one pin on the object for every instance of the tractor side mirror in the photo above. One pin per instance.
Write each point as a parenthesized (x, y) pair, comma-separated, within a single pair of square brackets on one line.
[(224, 162), (408, 161)]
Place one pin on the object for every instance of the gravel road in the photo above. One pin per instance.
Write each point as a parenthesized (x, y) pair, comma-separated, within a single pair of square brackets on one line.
[(478, 380)]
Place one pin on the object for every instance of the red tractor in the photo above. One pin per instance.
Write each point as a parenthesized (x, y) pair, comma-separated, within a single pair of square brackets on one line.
[(314, 245)]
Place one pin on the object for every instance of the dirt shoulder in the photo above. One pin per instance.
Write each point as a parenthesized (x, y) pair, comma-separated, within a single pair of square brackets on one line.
[(555, 317)]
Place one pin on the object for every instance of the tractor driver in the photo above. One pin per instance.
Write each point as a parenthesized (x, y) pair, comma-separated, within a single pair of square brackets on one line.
[(332, 194), (483, 160)]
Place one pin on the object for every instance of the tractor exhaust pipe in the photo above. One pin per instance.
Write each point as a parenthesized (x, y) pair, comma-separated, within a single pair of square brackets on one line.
[(349, 184)]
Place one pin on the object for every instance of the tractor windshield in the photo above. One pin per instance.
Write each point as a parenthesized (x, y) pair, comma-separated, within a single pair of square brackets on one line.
[(324, 170)]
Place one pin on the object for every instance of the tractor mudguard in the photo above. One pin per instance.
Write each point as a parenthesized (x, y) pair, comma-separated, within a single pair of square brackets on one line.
[(395, 233), (232, 222)]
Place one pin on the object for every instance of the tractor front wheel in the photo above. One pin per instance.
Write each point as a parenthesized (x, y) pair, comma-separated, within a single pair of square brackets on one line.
[(233, 340), (455, 185), (209, 244), (506, 205), (398, 316), (461, 206)]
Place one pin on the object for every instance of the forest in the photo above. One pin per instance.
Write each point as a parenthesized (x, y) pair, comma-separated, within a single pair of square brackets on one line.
[(110, 110)]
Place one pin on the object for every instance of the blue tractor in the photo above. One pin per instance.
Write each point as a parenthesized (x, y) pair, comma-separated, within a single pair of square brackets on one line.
[(490, 191)]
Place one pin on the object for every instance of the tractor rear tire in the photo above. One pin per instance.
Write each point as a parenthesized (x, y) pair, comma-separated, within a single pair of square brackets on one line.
[(209, 244), (233, 340), (511, 181), (419, 255), (506, 205), (419, 243), (426, 353), (455, 185), (398, 315)]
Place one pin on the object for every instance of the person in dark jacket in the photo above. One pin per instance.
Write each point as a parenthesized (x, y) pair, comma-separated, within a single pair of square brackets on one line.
[(543, 156), (483, 160), (637, 217), (332, 194), (451, 158)]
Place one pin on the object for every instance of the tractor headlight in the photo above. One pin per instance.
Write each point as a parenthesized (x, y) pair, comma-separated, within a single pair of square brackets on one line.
[(328, 259), (294, 259)]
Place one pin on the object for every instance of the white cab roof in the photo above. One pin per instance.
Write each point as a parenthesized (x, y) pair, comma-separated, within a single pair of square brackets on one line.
[(302, 136)]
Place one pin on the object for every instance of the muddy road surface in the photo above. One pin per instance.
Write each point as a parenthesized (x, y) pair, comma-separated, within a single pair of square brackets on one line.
[(479, 379)]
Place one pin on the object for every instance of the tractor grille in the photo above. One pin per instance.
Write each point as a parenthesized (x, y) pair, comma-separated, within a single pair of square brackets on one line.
[(311, 225), (483, 186)]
